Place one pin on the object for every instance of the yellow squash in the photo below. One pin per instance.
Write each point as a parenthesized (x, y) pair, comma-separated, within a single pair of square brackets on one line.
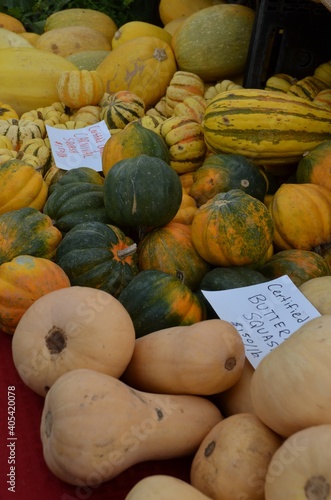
[(29, 76)]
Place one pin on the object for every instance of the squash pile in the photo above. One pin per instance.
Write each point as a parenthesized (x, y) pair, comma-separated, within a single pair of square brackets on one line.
[(204, 185)]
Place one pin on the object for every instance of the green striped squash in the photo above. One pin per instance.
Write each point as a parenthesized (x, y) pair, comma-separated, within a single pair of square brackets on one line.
[(122, 108), (268, 127)]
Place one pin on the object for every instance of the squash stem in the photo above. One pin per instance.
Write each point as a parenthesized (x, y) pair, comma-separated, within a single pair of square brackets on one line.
[(125, 252)]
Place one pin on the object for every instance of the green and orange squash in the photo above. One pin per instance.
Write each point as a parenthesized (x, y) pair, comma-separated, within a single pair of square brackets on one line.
[(233, 229), (170, 249), (156, 300), (315, 166), (222, 172), (299, 265), (27, 231), (133, 140), (98, 255), (22, 281)]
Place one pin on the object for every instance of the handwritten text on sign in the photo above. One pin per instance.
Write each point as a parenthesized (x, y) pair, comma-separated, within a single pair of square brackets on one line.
[(265, 314), (79, 147)]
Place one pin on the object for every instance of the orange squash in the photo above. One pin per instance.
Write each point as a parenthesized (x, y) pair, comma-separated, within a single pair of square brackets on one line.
[(21, 186), (70, 328), (131, 141), (301, 215), (187, 209), (78, 88), (22, 281), (232, 460), (11, 23), (129, 426), (232, 229), (170, 249), (315, 166), (144, 65), (203, 359)]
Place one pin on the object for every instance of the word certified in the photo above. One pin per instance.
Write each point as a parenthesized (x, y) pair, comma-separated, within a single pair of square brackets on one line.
[(265, 314)]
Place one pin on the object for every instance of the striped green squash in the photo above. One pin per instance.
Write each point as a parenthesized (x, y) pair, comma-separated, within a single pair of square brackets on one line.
[(268, 127), (122, 108)]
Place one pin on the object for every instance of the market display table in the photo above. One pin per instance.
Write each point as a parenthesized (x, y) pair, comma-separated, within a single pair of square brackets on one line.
[(22, 466)]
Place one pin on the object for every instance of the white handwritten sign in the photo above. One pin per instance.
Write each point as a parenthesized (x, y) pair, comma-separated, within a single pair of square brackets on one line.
[(81, 147), (265, 314)]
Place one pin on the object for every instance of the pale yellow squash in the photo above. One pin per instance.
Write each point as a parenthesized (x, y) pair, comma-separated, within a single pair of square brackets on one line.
[(94, 427), (29, 77)]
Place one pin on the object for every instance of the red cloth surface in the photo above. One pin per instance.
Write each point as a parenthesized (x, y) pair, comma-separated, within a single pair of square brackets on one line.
[(32, 478)]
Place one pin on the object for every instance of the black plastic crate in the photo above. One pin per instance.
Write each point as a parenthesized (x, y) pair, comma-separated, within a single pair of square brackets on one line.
[(289, 36)]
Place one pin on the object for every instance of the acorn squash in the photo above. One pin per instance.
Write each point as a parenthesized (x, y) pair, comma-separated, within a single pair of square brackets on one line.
[(98, 255), (156, 300)]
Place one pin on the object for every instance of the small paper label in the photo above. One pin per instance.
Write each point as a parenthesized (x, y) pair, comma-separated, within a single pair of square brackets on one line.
[(81, 147), (265, 314)]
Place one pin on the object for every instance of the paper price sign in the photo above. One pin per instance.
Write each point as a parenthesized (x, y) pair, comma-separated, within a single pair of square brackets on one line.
[(265, 314), (81, 147)]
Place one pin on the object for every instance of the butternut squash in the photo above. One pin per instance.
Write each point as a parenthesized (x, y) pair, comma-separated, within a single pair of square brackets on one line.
[(291, 386), (300, 467), (163, 487), (94, 426), (237, 399), (232, 460), (75, 327), (204, 358), (317, 291)]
